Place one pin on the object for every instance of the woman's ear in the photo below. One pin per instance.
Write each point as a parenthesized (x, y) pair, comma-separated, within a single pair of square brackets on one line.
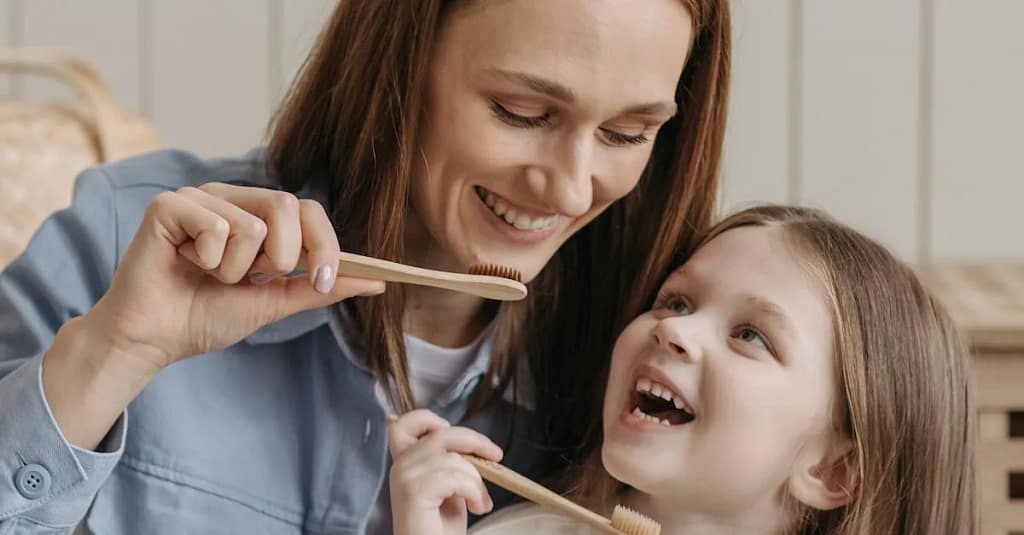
[(826, 482)]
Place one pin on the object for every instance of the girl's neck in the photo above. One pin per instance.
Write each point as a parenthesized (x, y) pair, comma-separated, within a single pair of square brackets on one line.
[(676, 520)]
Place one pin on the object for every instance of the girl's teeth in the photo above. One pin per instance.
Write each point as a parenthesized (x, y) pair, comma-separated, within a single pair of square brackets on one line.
[(489, 200), (500, 207), (678, 403), (638, 413), (656, 391)]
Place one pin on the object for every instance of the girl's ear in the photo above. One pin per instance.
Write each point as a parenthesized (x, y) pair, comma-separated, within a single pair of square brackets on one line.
[(826, 482)]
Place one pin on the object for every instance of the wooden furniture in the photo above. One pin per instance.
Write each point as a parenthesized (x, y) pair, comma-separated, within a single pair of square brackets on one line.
[(988, 303)]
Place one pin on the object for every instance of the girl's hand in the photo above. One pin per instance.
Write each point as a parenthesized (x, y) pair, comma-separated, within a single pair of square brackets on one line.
[(205, 269), (432, 485)]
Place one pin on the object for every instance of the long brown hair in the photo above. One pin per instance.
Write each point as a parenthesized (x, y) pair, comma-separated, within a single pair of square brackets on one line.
[(902, 371), (352, 118), (902, 382)]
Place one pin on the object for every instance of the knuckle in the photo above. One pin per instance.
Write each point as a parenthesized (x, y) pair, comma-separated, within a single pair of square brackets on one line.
[(161, 201), (312, 206), (220, 226), (212, 187), (282, 200), (254, 227)]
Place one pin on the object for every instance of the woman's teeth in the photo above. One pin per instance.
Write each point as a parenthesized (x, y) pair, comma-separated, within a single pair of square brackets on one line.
[(511, 216)]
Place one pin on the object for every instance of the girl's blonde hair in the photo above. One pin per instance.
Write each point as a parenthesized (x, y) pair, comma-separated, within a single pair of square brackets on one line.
[(902, 375)]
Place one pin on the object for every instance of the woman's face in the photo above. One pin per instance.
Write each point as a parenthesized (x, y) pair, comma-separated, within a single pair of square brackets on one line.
[(540, 115)]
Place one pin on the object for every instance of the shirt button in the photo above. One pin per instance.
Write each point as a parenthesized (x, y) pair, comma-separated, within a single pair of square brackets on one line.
[(32, 481)]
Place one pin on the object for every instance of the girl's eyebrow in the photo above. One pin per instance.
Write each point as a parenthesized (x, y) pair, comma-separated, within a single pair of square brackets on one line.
[(775, 314)]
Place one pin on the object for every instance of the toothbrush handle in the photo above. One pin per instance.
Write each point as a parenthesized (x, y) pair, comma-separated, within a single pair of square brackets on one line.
[(514, 482)]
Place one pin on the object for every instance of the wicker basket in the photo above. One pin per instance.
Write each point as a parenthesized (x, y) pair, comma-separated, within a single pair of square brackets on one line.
[(988, 303), (43, 146)]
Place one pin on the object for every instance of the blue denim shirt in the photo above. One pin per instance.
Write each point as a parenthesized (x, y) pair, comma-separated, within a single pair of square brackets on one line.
[(280, 433)]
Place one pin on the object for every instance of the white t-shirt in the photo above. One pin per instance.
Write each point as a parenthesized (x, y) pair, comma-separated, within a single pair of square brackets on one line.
[(432, 369)]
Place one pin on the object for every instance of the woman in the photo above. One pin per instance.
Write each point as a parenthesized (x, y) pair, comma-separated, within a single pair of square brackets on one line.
[(564, 139)]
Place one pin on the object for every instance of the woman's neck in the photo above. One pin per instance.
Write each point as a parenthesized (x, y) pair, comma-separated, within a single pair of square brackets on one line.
[(445, 318), (441, 317), (675, 520)]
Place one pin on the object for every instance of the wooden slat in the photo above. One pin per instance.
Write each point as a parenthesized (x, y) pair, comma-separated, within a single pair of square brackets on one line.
[(758, 136), (986, 300), (860, 116), (299, 25), (999, 381), (6, 39), (978, 82), (211, 82), (104, 32)]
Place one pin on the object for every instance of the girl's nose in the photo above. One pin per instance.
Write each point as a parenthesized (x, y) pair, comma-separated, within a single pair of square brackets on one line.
[(670, 335)]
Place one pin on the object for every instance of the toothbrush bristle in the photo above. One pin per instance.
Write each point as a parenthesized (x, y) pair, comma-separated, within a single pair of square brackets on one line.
[(495, 270), (631, 522)]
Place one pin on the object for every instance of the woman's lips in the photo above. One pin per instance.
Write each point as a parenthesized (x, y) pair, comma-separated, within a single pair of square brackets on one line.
[(509, 230)]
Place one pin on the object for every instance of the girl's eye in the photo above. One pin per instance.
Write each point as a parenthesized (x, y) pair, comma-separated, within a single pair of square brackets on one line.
[(521, 121), (752, 336), (619, 139), (673, 302)]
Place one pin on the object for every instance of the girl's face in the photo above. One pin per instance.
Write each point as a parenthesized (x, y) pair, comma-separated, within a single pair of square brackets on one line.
[(719, 393), (540, 115)]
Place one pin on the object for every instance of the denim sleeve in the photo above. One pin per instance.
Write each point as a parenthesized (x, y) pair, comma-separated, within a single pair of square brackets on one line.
[(46, 483)]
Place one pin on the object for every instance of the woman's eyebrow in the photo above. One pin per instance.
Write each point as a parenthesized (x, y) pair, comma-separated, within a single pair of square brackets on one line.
[(541, 85), (560, 92)]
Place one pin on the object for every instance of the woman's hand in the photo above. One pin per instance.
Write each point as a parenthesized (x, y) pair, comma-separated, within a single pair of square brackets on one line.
[(204, 270), (432, 485)]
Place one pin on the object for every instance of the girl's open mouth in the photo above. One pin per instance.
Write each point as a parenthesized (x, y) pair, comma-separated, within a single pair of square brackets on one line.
[(654, 402)]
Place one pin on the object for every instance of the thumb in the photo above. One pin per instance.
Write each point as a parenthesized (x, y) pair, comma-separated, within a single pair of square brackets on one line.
[(301, 295)]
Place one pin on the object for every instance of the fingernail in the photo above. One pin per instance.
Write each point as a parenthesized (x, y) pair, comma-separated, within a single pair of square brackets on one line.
[(259, 279), (375, 291), (324, 278)]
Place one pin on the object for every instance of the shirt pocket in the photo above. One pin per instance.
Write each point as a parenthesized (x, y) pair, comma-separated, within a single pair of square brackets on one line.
[(133, 501)]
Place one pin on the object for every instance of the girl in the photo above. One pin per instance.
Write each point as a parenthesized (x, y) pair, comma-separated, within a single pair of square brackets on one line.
[(792, 376), (546, 136)]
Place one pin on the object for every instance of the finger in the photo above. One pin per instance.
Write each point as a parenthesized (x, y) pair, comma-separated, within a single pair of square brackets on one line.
[(299, 295), (245, 237), (467, 484), (280, 210), (198, 234), (465, 440), (320, 242), (408, 429)]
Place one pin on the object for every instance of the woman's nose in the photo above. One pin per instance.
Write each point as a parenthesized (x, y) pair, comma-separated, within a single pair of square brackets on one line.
[(569, 181), (671, 336)]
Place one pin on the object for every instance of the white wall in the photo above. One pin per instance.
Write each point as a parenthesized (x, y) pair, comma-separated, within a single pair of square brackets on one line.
[(902, 117)]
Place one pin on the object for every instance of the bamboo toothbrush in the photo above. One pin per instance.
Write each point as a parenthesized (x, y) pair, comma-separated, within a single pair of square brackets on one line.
[(624, 521), (484, 280)]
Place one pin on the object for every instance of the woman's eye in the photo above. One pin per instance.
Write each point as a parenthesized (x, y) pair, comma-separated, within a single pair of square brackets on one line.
[(619, 139), (752, 336), (521, 121)]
